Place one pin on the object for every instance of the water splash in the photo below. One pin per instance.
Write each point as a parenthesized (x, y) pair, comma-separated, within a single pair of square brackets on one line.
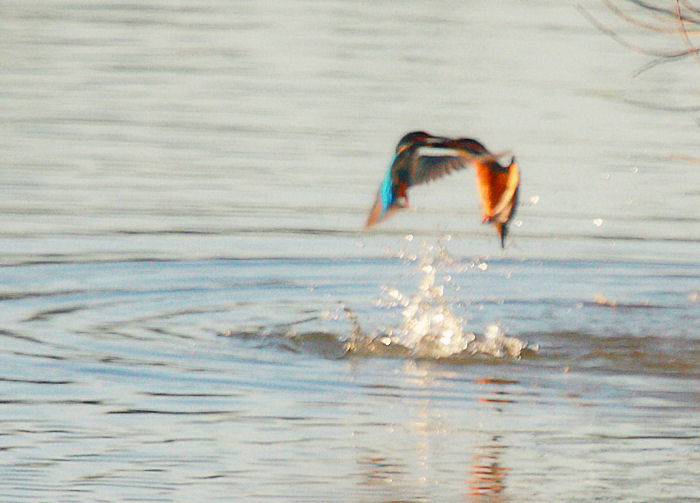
[(429, 327)]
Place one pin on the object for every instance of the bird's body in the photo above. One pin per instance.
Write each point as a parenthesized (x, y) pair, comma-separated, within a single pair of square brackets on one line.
[(421, 158)]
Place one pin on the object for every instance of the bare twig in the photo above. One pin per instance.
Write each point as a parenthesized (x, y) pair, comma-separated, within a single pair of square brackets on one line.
[(661, 60), (642, 24), (677, 17), (681, 21), (665, 12), (691, 8), (679, 25), (647, 52)]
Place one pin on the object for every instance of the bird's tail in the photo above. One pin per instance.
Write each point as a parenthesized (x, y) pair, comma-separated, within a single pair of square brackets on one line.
[(375, 214)]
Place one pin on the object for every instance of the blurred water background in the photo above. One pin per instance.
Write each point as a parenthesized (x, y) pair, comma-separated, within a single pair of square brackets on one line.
[(189, 310)]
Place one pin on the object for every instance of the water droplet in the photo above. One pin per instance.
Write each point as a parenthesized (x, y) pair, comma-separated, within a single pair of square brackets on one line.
[(598, 222), (601, 299), (634, 170), (518, 223), (409, 237), (606, 176), (483, 266), (534, 199)]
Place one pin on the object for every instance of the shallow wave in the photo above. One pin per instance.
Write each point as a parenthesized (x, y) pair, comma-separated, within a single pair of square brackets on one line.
[(430, 327), (493, 345), (567, 351)]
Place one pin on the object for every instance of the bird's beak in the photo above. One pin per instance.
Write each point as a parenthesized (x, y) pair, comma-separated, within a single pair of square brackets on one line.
[(501, 229)]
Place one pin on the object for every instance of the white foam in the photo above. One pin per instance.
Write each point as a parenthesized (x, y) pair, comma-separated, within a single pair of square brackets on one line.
[(429, 327)]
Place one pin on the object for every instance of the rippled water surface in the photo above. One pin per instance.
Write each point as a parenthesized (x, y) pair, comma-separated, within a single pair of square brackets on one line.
[(189, 310)]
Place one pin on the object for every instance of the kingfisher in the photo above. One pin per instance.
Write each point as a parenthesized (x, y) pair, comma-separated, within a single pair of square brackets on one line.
[(421, 157)]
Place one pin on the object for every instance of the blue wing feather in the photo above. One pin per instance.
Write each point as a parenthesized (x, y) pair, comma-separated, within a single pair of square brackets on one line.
[(385, 191)]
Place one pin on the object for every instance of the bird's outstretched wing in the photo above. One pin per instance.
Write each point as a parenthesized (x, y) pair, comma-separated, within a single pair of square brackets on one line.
[(443, 158), (428, 166)]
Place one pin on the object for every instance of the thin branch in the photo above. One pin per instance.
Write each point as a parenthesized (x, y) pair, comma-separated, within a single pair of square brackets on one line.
[(641, 24), (665, 12), (692, 49), (655, 106), (631, 47), (683, 15), (661, 60), (612, 34), (691, 8)]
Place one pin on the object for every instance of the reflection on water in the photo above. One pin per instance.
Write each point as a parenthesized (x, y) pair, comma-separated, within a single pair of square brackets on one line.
[(416, 477), (488, 480)]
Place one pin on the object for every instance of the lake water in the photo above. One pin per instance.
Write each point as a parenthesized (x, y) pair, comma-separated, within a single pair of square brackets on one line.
[(189, 310)]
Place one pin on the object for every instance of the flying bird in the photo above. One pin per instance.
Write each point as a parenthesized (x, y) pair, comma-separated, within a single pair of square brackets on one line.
[(421, 158)]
